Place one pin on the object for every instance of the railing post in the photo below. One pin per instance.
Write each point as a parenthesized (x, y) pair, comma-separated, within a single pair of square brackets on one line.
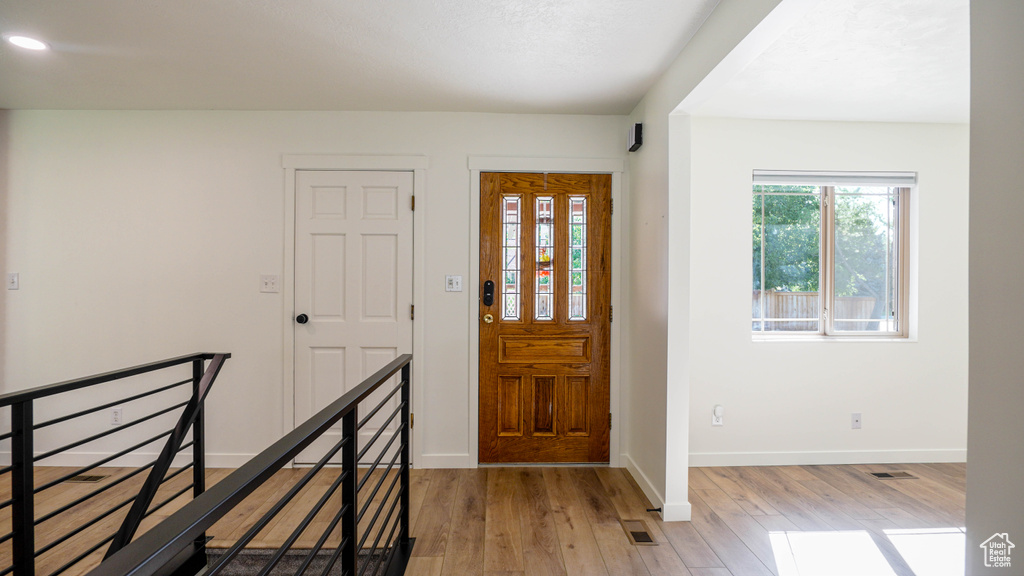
[(198, 441), (349, 490), (22, 490), (406, 398)]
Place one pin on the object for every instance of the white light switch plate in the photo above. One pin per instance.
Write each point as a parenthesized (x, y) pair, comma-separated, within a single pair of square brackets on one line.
[(453, 283), (12, 281), (270, 283)]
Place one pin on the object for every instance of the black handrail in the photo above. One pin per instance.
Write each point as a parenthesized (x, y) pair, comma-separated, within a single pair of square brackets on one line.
[(12, 398), (21, 470), (153, 551)]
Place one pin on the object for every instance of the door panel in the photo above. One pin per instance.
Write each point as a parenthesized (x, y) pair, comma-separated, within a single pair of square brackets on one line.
[(353, 278), (545, 242)]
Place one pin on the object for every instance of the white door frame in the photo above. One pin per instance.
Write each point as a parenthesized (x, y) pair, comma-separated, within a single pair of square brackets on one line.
[(291, 163), (478, 164)]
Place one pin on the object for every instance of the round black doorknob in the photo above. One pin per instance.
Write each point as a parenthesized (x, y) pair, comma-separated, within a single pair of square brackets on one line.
[(302, 318)]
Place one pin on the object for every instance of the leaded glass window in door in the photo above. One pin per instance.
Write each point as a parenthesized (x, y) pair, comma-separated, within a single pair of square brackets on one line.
[(577, 258), (511, 218), (544, 307)]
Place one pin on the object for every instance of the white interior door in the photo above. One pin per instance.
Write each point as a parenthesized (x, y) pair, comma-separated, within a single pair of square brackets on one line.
[(353, 280)]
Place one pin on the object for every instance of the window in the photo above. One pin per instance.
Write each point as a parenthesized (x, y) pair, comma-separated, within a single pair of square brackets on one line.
[(830, 253)]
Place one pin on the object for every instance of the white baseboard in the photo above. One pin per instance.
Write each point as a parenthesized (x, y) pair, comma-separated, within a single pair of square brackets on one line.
[(643, 482), (699, 459), (444, 461)]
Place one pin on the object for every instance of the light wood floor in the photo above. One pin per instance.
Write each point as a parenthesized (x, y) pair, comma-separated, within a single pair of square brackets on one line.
[(565, 521), (540, 521)]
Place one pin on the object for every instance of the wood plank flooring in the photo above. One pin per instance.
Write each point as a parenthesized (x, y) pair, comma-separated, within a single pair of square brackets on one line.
[(565, 520)]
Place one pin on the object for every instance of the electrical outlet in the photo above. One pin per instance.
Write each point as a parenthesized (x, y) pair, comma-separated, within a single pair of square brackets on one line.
[(270, 283), (453, 283), (716, 415), (12, 281), (716, 420), (855, 421), (116, 417)]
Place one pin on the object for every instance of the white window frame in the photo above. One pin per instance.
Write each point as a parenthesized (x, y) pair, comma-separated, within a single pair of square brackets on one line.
[(905, 183)]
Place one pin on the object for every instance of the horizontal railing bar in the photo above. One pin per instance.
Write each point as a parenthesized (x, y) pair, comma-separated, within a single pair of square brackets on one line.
[(61, 387), (392, 546), (109, 404), (168, 500), (6, 537), (7, 570), (82, 556), (373, 521), (397, 434), (5, 504), (398, 498), (100, 462), (96, 492), (82, 527), (6, 469), (311, 555), (376, 488), (178, 471), (107, 433), (279, 554), (389, 545), (6, 435), (334, 558), (168, 479), (380, 431), (150, 551), (379, 406), (274, 511)]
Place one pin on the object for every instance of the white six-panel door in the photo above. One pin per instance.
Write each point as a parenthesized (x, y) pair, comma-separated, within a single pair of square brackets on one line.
[(353, 279)]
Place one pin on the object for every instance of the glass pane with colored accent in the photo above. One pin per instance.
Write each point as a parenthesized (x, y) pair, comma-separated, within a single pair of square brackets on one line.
[(544, 308), (577, 258), (510, 267)]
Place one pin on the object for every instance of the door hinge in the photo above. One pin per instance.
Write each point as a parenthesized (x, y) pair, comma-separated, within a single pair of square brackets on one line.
[(412, 203), (609, 420), (611, 206), (412, 311), (611, 313), (412, 420)]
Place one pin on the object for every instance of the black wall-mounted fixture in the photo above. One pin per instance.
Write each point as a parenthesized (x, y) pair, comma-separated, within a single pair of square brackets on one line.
[(636, 137), (488, 293)]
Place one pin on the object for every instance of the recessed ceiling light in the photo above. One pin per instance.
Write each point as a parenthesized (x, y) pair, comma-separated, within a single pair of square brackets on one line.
[(27, 43)]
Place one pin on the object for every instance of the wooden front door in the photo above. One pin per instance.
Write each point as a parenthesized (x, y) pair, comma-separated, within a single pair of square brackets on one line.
[(545, 244)]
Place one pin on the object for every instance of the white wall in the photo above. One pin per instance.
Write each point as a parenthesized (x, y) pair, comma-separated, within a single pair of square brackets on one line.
[(995, 463), (790, 402), (142, 235), (657, 347)]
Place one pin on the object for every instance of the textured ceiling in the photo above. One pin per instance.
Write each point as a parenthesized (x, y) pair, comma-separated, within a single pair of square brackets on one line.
[(549, 56), (860, 60)]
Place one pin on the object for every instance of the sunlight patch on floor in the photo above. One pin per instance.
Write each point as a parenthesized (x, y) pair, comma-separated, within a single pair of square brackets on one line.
[(931, 551), (845, 553)]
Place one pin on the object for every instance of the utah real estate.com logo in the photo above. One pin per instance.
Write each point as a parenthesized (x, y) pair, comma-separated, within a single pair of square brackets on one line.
[(997, 550)]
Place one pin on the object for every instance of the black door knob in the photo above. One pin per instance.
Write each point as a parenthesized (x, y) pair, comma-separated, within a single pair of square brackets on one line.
[(302, 318)]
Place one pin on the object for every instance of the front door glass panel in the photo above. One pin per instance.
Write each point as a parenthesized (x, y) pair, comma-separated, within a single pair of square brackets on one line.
[(545, 275)]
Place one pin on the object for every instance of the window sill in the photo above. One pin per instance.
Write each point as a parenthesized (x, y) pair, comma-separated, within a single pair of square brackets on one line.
[(820, 338)]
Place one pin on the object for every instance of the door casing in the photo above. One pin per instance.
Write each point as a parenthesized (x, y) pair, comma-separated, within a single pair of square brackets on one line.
[(291, 163), (613, 166)]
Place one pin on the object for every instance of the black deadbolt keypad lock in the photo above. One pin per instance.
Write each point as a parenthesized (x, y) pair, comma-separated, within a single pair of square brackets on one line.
[(488, 293)]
